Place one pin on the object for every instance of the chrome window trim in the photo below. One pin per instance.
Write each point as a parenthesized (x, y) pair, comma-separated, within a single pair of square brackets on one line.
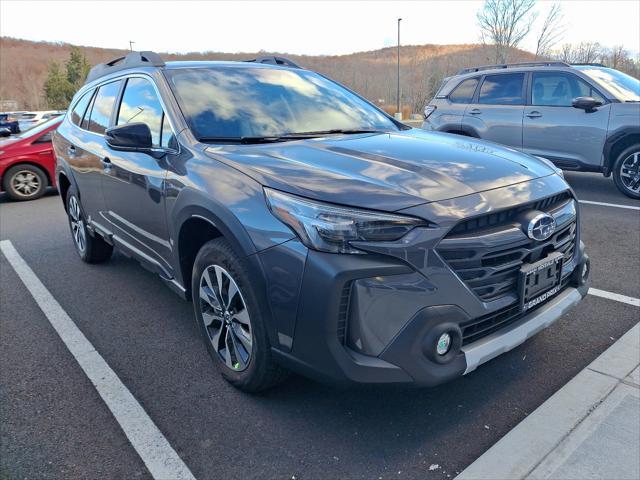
[(124, 77)]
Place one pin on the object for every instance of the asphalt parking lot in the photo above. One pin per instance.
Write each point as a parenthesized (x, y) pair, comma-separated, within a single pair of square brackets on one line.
[(55, 425)]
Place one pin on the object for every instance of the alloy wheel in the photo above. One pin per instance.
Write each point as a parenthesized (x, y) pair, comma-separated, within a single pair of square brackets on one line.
[(25, 183), (630, 172), (226, 318), (77, 224)]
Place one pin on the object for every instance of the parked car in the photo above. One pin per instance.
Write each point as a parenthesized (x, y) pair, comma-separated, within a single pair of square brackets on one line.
[(581, 117), (10, 123), (29, 120), (312, 231), (27, 165)]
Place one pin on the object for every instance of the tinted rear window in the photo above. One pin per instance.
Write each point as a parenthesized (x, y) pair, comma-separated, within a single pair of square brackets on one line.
[(103, 107), (464, 92), (504, 89)]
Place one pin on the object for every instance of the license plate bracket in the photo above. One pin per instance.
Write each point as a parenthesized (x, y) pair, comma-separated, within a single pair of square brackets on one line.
[(539, 281)]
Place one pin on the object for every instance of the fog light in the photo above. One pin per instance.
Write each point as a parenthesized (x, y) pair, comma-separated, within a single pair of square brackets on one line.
[(444, 342)]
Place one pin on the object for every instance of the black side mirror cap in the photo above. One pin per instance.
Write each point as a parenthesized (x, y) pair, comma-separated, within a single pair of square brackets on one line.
[(588, 104), (130, 136)]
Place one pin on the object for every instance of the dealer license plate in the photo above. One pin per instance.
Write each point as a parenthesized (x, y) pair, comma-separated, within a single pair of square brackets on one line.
[(540, 281)]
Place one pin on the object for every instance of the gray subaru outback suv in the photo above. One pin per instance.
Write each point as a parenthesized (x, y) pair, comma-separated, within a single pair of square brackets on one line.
[(312, 231), (581, 117)]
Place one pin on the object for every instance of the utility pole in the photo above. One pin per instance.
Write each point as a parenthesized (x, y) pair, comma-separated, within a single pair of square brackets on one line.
[(399, 113), (131, 42)]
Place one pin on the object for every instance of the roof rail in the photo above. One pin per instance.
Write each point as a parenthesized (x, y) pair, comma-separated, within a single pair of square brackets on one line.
[(133, 59), (285, 62), (513, 65), (589, 64)]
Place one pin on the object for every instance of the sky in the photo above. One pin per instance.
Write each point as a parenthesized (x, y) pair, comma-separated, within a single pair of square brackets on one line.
[(302, 27)]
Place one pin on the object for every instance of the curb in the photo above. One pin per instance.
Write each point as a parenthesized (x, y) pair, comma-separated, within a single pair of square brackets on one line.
[(524, 448)]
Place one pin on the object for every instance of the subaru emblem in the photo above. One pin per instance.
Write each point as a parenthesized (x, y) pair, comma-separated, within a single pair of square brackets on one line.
[(541, 227)]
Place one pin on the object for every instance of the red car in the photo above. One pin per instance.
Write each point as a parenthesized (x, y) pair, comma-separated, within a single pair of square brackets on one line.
[(27, 162)]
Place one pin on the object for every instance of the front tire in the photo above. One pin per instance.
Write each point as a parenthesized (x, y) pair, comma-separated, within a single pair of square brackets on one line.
[(91, 249), (626, 172), (230, 319), (25, 182)]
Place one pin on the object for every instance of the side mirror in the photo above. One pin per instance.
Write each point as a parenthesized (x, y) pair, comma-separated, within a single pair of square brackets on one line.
[(130, 136), (4, 132), (588, 104)]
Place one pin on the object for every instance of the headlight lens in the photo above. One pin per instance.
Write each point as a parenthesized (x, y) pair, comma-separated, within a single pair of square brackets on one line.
[(330, 228)]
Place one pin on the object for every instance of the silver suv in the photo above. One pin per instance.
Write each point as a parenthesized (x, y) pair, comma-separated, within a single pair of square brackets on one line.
[(581, 117)]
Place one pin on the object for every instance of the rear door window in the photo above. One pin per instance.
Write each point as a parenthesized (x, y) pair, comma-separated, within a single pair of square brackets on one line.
[(503, 89), (463, 93), (103, 106), (81, 106)]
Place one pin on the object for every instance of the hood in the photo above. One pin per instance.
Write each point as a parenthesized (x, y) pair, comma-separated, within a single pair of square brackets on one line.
[(387, 171), (9, 141)]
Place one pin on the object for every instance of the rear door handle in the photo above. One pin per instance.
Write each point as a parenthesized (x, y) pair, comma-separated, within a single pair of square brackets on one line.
[(534, 114), (475, 111)]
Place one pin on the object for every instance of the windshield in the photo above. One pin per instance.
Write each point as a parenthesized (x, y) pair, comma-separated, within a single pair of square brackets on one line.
[(235, 102), (624, 87), (39, 128)]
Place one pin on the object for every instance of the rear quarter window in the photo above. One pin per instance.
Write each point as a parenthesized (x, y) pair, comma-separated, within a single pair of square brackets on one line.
[(463, 93)]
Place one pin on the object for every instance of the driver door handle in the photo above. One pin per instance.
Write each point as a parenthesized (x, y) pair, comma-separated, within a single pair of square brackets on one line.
[(106, 163), (534, 114), (71, 151), (475, 111)]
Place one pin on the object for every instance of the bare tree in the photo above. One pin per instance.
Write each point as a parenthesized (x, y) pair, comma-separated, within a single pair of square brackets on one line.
[(588, 52), (505, 23), (551, 32), (617, 56)]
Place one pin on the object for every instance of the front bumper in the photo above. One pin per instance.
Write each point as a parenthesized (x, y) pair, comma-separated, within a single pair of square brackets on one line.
[(511, 336), (320, 351)]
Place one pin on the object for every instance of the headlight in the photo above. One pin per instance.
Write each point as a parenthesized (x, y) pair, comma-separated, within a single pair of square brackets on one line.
[(330, 228)]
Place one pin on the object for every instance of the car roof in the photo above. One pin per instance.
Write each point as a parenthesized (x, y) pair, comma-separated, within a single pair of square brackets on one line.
[(135, 61)]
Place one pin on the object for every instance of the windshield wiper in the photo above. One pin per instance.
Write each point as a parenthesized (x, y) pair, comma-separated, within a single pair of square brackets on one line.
[(285, 136), (334, 131), (242, 140)]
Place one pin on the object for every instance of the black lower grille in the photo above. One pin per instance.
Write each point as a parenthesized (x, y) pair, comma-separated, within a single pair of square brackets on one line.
[(343, 312), (483, 326)]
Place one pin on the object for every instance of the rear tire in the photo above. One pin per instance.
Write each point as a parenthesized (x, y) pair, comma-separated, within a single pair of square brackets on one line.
[(231, 320), (626, 172), (90, 248), (25, 182)]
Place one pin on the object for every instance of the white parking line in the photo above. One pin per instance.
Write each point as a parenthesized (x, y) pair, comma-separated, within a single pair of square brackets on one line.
[(615, 296), (604, 204), (154, 449)]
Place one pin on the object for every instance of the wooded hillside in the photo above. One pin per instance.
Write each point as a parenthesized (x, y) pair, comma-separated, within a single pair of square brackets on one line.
[(24, 65)]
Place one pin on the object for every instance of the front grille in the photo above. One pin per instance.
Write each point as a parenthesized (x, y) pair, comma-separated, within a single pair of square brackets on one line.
[(483, 326), (490, 268), (343, 312), (503, 217)]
